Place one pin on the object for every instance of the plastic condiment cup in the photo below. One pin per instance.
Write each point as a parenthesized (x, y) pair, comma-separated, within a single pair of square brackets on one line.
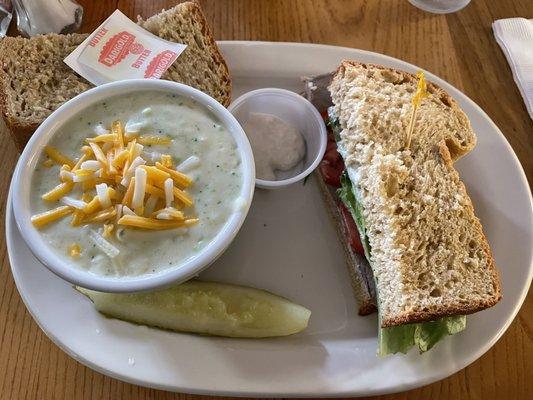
[(294, 110), (22, 187)]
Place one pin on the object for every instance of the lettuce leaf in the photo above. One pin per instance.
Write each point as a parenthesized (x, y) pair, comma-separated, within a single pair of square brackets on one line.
[(399, 339), (347, 195), (333, 121)]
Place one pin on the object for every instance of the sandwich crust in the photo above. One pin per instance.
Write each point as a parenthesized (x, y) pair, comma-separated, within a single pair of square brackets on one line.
[(429, 255)]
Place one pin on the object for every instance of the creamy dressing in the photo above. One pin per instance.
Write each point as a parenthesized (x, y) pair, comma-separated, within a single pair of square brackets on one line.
[(213, 163), (276, 145)]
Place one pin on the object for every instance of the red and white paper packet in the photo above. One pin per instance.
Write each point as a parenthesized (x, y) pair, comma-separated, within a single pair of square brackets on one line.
[(120, 49)]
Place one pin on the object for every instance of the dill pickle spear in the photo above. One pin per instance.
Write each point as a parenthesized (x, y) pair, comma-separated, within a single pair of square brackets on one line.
[(207, 308)]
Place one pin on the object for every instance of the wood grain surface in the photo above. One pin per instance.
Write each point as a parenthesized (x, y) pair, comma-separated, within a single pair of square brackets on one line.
[(459, 48)]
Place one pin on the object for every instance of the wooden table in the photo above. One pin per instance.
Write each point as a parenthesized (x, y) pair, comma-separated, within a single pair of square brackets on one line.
[(459, 48)]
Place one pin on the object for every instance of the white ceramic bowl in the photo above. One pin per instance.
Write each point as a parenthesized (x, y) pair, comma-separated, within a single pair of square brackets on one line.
[(294, 110), (26, 165)]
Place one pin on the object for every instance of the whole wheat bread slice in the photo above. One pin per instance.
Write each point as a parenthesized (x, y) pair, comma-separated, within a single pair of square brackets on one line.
[(34, 80), (429, 255), (201, 65)]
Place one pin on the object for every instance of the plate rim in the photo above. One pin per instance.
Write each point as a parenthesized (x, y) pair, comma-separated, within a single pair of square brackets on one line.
[(446, 372)]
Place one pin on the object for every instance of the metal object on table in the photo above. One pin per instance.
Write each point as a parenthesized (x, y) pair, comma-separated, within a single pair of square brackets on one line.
[(36, 17), (5, 16)]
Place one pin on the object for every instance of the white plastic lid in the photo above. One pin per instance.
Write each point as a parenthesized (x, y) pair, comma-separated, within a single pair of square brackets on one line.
[(294, 110)]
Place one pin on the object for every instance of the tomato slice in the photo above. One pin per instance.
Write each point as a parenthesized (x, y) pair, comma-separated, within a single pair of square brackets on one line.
[(331, 168), (330, 174), (332, 165), (330, 146), (354, 239)]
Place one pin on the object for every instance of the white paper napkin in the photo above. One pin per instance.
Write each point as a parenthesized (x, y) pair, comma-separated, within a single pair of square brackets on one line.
[(515, 37)]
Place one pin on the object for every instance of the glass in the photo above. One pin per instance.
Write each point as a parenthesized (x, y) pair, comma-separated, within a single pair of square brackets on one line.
[(5, 16), (36, 17), (440, 6)]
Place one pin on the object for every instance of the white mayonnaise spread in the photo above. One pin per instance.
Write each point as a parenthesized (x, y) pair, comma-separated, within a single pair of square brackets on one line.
[(199, 143), (277, 146)]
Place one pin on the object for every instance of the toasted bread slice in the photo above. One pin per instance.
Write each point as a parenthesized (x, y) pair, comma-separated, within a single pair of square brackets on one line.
[(34, 80), (201, 65), (429, 255)]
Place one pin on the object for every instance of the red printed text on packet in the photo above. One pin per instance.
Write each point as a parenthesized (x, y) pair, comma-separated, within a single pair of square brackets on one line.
[(120, 49)]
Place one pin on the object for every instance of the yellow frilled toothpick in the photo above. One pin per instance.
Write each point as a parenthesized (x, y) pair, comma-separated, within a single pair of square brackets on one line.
[(421, 92)]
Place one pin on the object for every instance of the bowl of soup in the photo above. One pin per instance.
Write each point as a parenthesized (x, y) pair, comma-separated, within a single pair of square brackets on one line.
[(133, 185)]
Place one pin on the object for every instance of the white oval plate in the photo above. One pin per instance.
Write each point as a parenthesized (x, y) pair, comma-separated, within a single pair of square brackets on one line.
[(288, 246)]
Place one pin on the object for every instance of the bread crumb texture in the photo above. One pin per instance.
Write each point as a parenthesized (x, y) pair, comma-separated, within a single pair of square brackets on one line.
[(201, 65), (429, 255), (35, 80)]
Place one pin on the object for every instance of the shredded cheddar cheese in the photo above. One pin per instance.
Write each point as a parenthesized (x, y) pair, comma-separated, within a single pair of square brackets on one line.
[(183, 197), (109, 137), (99, 154), (126, 200), (103, 195), (169, 191), (178, 177), (80, 161), (169, 213), (166, 160), (120, 158), (56, 156), (48, 163), (88, 184), (139, 190), (65, 174), (154, 140), (135, 150), (77, 218), (59, 191), (74, 250), (151, 204), (118, 130), (87, 151), (108, 230), (150, 189), (155, 224), (112, 184), (46, 217), (92, 206), (102, 216), (156, 174)]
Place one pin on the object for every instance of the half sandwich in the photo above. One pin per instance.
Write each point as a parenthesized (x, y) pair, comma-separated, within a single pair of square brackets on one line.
[(430, 261)]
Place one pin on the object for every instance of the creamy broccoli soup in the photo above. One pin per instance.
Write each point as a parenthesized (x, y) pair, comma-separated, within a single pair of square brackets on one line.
[(136, 184)]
